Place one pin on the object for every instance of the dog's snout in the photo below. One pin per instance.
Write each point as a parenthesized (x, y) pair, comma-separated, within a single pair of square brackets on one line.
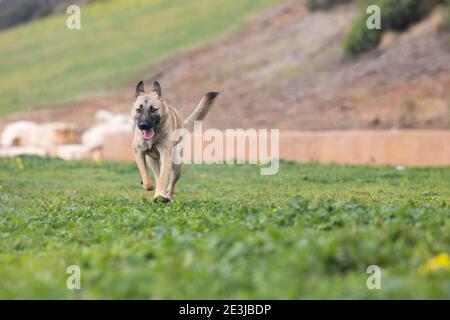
[(144, 126)]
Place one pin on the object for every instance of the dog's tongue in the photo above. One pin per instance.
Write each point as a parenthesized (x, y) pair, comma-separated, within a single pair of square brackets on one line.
[(148, 134)]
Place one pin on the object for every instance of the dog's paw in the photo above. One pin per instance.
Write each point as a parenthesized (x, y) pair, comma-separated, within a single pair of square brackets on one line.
[(161, 199), (147, 186)]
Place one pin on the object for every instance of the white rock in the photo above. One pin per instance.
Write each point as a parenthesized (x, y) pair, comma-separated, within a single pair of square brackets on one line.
[(27, 133), (108, 123), (57, 133), (72, 152), (18, 133), (106, 116), (23, 150)]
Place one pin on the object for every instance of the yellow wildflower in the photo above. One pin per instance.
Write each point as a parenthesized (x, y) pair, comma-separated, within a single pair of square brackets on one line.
[(19, 163), (440, 262)]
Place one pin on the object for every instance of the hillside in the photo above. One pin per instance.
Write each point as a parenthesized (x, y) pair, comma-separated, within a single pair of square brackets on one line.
[(287, 70), (43, 63)]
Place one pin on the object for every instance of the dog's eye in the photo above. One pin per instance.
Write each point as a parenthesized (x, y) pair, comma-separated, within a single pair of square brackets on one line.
[(152, 108), (139, 110)]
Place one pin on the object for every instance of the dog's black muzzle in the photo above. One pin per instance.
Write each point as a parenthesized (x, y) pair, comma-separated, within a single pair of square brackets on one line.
[(145, 125), (149, 124)]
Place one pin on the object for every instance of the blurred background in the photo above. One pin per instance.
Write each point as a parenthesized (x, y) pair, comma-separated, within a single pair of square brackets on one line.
[(308, 67)]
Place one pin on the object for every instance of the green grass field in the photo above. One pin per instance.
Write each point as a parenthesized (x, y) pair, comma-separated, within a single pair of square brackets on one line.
[(308, 232), (44, 63)]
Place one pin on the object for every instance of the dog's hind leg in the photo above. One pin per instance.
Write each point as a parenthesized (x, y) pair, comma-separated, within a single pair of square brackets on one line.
[(174, 176)]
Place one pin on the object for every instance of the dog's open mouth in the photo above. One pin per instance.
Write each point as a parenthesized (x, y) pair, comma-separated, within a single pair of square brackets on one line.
[(148, 134)]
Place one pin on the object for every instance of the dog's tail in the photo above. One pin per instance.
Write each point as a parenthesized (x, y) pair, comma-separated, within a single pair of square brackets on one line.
[(202, 109)]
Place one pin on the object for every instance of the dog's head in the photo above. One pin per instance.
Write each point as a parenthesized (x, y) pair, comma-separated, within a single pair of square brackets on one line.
[(147, 109)]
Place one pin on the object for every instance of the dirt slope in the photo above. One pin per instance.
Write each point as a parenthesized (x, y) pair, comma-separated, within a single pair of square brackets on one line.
[(288, 71)]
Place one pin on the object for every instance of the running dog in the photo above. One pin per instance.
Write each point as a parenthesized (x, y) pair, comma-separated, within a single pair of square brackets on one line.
[(154, 123)]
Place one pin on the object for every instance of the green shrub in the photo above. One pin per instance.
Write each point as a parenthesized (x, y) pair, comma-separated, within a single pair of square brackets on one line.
[(396, 15), (361, 39), (445, 28), (314, 5), (446, 11), (19, 11)]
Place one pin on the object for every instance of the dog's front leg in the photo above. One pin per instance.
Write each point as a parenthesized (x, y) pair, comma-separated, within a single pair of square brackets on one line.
[(166, 166), (142, 166)]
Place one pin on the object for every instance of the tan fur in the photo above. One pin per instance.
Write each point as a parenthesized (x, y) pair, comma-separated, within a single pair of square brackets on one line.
[(156, 153)]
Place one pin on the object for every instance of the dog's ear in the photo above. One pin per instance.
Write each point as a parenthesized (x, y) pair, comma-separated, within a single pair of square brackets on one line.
[(139, 89), (157, 88)]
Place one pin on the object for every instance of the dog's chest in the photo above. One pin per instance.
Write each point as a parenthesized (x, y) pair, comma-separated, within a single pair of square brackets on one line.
[(147, 146), (150, 149), (153, 153)]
